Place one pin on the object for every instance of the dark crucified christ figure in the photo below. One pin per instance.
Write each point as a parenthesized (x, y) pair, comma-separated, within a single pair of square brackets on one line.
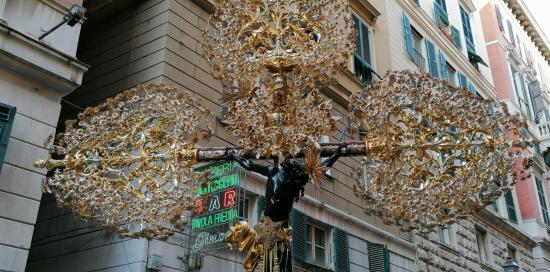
[(285, 185)]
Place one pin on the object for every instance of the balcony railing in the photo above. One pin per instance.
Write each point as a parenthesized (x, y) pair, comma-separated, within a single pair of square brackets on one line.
[(419, 60)]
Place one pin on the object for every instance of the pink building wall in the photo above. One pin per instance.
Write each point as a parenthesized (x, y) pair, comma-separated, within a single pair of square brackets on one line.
[(498, 61)]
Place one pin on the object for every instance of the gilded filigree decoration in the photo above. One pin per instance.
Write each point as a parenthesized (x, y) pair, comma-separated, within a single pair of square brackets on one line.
[(251, 41), (127, 163), (259, 243), (272, 57), (283, 129), (435, 152)]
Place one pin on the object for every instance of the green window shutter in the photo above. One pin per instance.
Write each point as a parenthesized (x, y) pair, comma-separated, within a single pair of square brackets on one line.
[(442, 4), (511, 207), (462, 80), (298, 221), (379, 258), (7, 115), (440, 13), (363, 68), (341, 254), (408, 35), (261, 206), (443, 66), (456, 37), (432, 59), (467, 28), (471, 88)]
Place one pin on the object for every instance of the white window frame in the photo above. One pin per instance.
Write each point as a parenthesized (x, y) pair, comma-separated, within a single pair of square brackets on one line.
[(310, 243), (446, 236), (246, 201), (482, 241), (497, 204), (452, 75)]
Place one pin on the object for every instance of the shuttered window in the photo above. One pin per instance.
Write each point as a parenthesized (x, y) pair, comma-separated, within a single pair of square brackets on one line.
[(511, 207), (467, 28), (361, 57), (341, 252), (261, 206), (7, 114), (456, 37), (471, 88), (408, 35), (298, 221), (462, 80), (521, 92), (536, 98), (413, 43), (379, 258), (440, 13), (443, 66), (432, 58), (499, 19), (542, 201), (511, 33)]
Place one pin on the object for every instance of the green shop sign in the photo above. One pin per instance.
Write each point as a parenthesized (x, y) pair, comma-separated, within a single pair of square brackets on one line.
[(217, 203)]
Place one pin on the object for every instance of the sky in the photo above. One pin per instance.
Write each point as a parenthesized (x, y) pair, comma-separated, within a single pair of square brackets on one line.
[(540, 10)]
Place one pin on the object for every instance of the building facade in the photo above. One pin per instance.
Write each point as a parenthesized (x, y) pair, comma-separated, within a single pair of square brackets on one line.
[(129, 42), (519, 62), (34, 76)]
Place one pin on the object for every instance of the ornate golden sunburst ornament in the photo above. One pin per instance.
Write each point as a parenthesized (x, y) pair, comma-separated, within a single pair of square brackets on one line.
[(272, 56), (435, 152), (127, 162), (313, 163)]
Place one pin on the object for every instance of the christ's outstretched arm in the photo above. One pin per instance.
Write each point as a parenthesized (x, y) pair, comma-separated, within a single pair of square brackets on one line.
[(329, 161), (248, 164)]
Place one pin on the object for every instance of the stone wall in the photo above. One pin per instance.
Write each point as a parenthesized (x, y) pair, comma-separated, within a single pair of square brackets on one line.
[(462, 253)]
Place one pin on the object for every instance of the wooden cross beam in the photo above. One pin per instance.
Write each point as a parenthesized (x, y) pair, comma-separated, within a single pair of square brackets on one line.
[(327, 149)]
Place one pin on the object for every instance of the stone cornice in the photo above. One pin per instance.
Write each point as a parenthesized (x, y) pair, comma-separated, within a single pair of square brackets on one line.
[(534, 32), (505, 228), (366, 10), (57, 6), (468, 5), (38, 61), (208, 5)]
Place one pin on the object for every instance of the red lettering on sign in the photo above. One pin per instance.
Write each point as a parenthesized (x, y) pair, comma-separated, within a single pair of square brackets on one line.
[(199, 206), (229, 199)]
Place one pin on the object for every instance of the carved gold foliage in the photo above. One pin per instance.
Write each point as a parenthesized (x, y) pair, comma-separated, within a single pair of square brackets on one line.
[(127, 162), (435, 152), (272, 56)]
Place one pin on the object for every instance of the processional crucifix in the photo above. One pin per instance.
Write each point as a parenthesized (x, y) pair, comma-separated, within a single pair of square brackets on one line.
[(430, 153)]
